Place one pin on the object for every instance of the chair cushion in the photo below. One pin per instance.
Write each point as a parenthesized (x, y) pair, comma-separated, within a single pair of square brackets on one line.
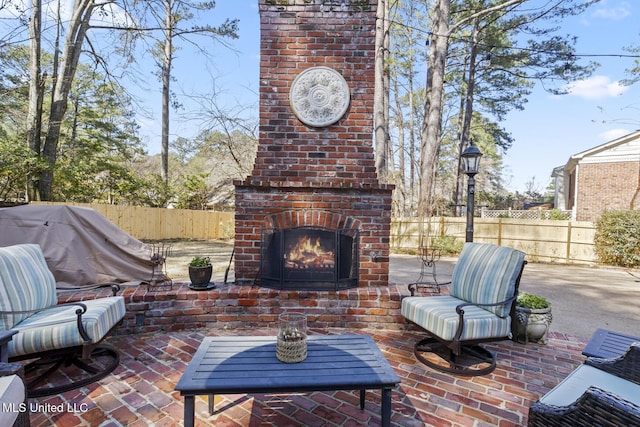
[(486, 274), (437, 314), (12, 399), (56, 327), (25, 283), (585, 376)]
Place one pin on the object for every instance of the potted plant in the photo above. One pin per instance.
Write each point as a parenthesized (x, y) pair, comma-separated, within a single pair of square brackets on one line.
[(200, 271), (532, 319)]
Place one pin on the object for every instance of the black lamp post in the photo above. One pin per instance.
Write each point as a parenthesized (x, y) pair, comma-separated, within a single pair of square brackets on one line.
[(471, 160)]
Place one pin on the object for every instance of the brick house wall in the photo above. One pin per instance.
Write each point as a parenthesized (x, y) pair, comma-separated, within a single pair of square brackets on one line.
[(605, 177), (324, 175), (606, 186)]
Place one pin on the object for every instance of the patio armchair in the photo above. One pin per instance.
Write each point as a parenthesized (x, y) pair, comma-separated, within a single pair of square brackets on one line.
[(479, 308), (51, 335), (14, 409), (602, 392)]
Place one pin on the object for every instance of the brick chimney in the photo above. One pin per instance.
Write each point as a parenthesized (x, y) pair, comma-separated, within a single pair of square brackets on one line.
[(315, 164)]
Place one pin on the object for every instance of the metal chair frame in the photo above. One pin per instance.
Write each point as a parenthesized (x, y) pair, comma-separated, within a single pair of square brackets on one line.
[(463, 356)]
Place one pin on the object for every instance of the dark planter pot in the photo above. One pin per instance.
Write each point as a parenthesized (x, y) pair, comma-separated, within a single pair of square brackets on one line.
[(200, 276), (532, 325)]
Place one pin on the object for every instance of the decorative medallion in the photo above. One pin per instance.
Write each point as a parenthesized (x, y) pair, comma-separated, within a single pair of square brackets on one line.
[(319, 96)]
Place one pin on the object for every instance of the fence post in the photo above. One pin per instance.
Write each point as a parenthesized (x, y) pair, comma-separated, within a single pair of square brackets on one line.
[(568, 254)]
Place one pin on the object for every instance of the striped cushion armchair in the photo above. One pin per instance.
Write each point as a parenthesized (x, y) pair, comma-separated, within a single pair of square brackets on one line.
[(483, 290), (55, 335)]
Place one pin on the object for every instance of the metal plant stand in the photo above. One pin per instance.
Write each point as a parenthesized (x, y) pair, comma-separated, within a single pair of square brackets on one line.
[(428, 258), (160, 280)]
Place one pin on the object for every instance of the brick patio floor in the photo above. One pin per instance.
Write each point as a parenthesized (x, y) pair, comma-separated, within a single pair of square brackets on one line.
[(140, 392)]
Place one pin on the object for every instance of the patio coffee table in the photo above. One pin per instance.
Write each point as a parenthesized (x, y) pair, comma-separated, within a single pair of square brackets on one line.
[(606, 344), (239, 365)]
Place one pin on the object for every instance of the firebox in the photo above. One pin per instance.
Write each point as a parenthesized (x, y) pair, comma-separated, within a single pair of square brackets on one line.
[(309, 258)]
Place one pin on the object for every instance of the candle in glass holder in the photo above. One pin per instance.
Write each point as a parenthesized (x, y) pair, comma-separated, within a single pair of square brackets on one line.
[(291, 346)]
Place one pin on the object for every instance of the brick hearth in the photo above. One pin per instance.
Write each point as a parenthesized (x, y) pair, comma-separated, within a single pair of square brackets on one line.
[(247, 307)]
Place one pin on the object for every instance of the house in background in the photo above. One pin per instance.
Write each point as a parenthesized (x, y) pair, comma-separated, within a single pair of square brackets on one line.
[(606, 177)]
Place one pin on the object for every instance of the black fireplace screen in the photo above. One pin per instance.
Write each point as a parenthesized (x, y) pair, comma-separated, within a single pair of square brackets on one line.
[(309, 258)]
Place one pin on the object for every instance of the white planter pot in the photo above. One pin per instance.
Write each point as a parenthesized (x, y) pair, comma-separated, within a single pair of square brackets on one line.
[(532, 325)]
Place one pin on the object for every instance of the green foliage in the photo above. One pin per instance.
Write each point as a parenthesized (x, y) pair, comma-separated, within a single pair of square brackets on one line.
[(535, 302), (14, 88), (448, 245), (617, 238), (558, 215), (193, 193), (151, 191), (98, 137), (200, 261), (634, 72), (17, 162)]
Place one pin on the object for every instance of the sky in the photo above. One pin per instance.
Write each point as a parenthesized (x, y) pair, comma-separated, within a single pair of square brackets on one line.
[(546, 133), (553, 128), (549, 130)]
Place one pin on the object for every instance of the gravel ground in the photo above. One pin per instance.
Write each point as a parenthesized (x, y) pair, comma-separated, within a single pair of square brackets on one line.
[(182, 251)]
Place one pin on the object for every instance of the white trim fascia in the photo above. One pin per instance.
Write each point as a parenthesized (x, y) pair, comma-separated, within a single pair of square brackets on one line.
[(627, 147)]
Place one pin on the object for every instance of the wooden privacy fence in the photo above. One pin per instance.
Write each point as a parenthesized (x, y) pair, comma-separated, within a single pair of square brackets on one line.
[(146, 223), (557, 241), (544, 241)]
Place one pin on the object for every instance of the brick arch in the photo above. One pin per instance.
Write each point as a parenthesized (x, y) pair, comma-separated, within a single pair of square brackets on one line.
[(311, 218)]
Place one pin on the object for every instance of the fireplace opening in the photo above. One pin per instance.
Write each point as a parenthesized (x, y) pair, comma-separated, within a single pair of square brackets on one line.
[(309, 258)]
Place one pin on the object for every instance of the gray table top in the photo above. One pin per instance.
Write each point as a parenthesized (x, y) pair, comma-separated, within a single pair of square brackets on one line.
[(606, 344), (248, 364)]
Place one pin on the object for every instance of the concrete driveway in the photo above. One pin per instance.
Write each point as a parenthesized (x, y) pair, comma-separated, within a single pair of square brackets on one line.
[(583, 298)]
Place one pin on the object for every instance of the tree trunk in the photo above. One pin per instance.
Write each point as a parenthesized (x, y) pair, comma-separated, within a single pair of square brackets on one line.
[(76, 33), (381, 91), (467, 112), (457, 191), (400, 181), (432, 128), (166, 89), (36, 91), (431, 131), (412, 147)]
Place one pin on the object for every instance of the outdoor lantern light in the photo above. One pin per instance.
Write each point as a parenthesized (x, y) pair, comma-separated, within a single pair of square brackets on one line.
[(471, 160)]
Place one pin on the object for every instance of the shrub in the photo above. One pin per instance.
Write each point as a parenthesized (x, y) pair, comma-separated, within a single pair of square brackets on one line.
[(535, 302), (557, 214), (448, 245), (617, 238)]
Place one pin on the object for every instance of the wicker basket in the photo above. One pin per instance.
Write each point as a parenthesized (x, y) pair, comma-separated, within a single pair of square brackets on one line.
[(291, 351)]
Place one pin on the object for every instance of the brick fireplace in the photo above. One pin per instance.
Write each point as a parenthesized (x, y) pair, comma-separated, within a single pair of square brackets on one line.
[(314, 172), (315, 168)]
